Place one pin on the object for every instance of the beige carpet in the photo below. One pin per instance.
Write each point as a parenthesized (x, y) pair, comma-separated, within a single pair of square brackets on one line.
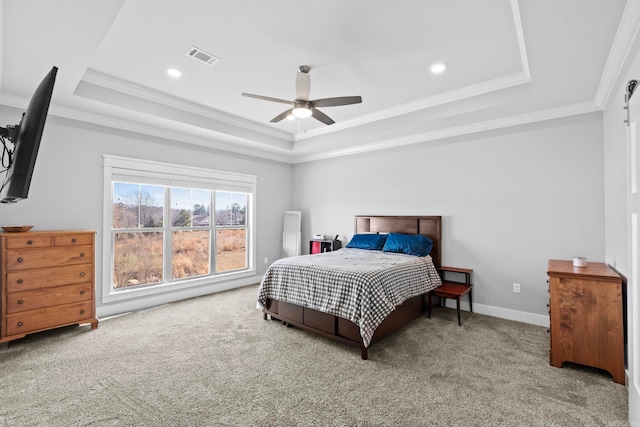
[(214, 361)]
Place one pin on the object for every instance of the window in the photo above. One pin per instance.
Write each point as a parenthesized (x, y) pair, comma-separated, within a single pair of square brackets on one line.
[(231, 230), (170, 226), (138, 212), (190, 232)]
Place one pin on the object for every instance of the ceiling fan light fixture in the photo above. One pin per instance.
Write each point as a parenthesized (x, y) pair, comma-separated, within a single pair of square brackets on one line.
[(302, 107), (301, 110)]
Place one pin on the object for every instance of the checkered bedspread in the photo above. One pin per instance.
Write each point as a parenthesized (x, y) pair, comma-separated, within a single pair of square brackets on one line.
[(360, 285)]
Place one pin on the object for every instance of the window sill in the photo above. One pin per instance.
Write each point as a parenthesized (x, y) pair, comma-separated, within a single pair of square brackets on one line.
[(117, 295)]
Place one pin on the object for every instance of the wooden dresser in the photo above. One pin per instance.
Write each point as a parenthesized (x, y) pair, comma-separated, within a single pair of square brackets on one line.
[(47, 281), (586, 316)]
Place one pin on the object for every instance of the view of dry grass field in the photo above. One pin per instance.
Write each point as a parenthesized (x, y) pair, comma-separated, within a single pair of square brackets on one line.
[(138, 255)]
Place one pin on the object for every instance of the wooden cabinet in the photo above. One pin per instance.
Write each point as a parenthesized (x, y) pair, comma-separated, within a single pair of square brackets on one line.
[(586, 317), (46, 281)]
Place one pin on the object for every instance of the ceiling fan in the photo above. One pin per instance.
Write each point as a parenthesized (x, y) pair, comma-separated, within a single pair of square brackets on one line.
[(302, 106)]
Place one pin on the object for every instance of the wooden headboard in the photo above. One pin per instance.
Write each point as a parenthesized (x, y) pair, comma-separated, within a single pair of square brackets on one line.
[(430, 226)]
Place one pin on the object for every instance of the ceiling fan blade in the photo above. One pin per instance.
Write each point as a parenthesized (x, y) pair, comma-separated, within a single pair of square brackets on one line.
[(334, 102), (319, 115), (303, 85), (266, 98), (281, 116)]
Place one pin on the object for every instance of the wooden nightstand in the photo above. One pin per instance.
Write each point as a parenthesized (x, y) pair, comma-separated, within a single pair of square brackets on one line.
[(453, 290), (586, 317)]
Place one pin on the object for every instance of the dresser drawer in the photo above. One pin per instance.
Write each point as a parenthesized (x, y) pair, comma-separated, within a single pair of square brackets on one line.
[(73, 239), (29, 242), (44, 318), (38, 278), (31, 300), (44, 257)]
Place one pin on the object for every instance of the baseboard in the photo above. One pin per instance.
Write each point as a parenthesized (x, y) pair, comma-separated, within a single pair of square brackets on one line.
[(503, 313), (140, 304), (166, 298)]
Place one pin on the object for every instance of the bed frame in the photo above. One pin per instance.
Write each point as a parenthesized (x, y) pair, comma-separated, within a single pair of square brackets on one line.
[(343, 330)]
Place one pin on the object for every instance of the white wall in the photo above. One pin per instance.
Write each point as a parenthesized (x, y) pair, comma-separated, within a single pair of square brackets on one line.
[(615, 151), (510, 200), (615, 176), (66, 190)]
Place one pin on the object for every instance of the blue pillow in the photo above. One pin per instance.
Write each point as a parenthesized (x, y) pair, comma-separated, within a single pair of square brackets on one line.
[(367, 241), (410, 244)]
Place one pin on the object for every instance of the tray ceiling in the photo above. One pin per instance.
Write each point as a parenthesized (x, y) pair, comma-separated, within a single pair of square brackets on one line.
[(509, 62)]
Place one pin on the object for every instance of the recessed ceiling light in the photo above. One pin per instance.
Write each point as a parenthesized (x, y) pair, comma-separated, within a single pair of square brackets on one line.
[(173, 72), (438, 67)]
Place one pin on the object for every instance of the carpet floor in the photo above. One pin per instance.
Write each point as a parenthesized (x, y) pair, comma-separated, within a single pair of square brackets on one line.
[(214, 361)]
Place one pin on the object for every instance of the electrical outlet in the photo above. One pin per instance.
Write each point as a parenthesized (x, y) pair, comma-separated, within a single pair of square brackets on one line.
[(516, 288), (266, 260)]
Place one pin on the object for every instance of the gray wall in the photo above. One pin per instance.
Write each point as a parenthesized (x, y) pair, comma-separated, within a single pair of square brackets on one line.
[(66, 191), (510, 200)]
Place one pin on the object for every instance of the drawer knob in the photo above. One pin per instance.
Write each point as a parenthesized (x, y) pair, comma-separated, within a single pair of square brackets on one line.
[(20, 260), (30, 242), (20, 324), (81, 311), (81, 292), (82, 274), (20, 301), (20, 281), (548, 305), (82, 254), (74, 240)]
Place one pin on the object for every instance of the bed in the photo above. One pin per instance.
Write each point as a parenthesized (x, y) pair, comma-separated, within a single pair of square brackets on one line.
[(353, 304)]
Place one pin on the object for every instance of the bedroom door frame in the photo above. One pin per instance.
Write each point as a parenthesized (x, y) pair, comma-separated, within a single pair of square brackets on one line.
[(633, 251)]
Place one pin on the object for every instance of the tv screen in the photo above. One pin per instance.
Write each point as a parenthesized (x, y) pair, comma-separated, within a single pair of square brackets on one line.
[(26, 138)]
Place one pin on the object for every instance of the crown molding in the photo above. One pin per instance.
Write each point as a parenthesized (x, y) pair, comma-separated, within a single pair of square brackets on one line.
[(251, 148), (517, 21), (620, 51), (504, 122), (199, 137), (208, 139), (122, 86), (422, 104)]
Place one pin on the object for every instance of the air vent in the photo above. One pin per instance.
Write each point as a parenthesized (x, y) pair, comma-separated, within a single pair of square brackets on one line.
[(202, 56)]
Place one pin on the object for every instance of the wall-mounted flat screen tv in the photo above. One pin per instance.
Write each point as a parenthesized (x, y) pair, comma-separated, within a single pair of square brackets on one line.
[(25, 137)]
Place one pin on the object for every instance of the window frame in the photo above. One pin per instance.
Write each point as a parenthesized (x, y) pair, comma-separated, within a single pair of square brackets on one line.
[(172, 175), (219, 227)]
